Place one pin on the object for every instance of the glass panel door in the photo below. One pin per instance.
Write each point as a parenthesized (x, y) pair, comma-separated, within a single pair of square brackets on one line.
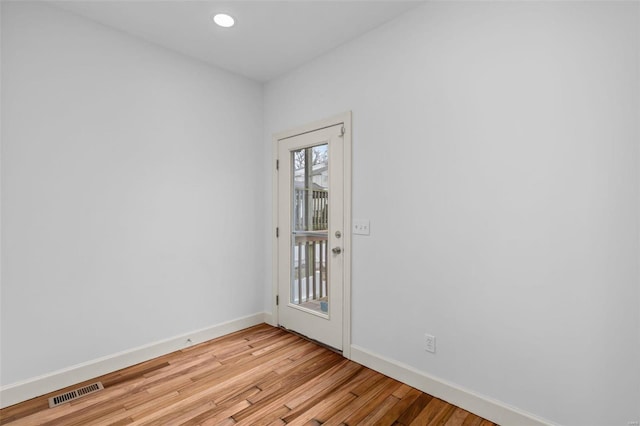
[(309, 229), (310, 269)]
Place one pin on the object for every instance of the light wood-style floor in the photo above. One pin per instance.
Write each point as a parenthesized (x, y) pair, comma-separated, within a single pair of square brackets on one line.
[(259, 376)]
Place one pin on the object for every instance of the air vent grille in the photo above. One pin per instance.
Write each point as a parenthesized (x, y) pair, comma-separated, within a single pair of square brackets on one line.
[(54, 401)]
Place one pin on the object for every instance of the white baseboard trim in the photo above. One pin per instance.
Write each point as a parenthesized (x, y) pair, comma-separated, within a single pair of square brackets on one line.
[(31, 388), (496, 411)]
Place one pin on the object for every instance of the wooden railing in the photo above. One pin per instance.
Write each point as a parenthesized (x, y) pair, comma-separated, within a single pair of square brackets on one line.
[(311, 224), (316, 217), (310, 267)]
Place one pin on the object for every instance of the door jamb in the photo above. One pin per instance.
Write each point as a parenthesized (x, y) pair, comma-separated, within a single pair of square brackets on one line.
[(345, 120)]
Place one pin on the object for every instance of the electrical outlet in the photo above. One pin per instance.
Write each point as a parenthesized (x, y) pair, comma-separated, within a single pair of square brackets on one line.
[(430, 343), (361, 227)]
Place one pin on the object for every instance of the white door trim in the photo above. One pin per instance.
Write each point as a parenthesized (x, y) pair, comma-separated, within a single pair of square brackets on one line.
[(345, 120)]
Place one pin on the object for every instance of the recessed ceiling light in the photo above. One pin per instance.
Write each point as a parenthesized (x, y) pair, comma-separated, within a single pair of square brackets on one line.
[(223, 20)]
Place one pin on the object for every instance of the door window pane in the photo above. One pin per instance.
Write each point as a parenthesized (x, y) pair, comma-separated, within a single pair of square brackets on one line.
[(310, 227)]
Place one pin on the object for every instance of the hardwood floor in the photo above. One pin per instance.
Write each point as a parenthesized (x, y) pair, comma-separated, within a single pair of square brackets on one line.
[(259, 376)]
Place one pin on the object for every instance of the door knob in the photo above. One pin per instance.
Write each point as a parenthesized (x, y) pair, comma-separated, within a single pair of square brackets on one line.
[(336, 250)]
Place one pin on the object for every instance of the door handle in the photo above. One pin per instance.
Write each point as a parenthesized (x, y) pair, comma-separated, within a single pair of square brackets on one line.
[(336, 250)]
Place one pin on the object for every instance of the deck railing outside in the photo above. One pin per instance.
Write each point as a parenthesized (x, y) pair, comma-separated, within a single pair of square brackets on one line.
[(310, 248), (317, 218)]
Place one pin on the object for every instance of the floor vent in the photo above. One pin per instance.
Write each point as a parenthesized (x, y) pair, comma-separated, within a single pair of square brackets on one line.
[(54, 401)]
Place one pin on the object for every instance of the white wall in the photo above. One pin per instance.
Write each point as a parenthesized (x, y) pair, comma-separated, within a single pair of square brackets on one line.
[(129, 190), (496, 155)]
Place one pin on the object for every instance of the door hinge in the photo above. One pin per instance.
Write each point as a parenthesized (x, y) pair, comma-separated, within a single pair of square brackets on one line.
[(277, 300), (277, 232), (277, 164), (342, 131)]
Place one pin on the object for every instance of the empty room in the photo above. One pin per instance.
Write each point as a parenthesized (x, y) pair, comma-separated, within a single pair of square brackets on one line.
[(320, 213)]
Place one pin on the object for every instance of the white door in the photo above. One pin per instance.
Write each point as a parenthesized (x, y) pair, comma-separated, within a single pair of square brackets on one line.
[(311, 252)]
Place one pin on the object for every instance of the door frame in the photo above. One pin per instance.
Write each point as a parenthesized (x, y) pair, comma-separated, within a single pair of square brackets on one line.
[(345, 120)]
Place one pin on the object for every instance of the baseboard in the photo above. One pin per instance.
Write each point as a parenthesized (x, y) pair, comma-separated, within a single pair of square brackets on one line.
[(31, 388), (496, 411)]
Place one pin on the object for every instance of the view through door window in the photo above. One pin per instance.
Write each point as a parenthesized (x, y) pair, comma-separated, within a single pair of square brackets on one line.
[(310, 225)]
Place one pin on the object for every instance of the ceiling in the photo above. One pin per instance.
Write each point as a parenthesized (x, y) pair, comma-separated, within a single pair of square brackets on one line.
[(269, 38)]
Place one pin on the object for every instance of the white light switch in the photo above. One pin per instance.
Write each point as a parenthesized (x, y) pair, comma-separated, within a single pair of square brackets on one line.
[(361, 227)]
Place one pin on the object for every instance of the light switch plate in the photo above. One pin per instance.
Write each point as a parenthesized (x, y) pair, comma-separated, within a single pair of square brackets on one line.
[(430, 343), (361, 227)]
